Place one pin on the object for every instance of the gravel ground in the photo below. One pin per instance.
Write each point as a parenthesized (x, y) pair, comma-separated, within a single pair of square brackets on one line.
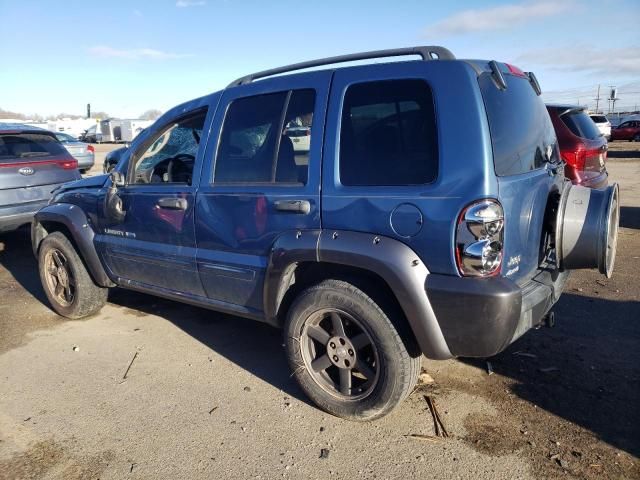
[(209, 396)]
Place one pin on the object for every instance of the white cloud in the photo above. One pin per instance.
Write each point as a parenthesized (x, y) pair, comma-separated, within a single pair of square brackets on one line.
[(585, 58), (496, 18), (190, 3), (134, 53)]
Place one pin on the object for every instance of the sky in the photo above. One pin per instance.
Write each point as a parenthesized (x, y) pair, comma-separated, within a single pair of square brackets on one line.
[(125, 57)]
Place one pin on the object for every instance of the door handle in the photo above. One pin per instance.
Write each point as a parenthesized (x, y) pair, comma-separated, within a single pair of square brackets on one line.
[(293, 206), (173, 203)]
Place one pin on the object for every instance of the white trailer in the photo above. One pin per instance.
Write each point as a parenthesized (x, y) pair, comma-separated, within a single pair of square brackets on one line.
[(111, 130), (129, 129)]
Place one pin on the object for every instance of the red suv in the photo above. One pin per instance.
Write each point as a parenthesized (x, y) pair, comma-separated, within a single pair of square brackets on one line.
[(627, 131), (582, 145)]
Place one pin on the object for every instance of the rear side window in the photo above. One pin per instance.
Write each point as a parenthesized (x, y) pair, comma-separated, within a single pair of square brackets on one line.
[(18, 146), (388, 134), (520, 126), (266, 139), (581, 125)]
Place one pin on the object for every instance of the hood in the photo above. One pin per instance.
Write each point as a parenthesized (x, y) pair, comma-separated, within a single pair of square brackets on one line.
[(88, 182)]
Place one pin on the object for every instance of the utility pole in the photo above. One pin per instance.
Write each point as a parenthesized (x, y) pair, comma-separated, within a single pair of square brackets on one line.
[(597, 99)]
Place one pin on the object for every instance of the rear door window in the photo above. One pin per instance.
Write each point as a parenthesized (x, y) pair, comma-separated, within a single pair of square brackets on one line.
[(581, 124), (27, 146), (388, 134), (520, 126), (266, 139)]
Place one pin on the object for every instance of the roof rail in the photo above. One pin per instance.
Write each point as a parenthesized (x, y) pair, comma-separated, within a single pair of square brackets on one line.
[(426, 52)]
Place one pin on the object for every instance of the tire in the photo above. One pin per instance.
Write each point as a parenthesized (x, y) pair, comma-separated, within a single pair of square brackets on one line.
[(636, 138), (381, 374), (70, 290)]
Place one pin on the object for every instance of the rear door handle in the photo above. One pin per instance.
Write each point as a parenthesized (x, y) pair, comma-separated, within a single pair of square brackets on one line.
[(293, 206), (173, 203)]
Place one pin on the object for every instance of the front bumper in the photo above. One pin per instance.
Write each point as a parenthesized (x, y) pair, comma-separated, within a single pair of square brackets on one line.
[(481, 317)]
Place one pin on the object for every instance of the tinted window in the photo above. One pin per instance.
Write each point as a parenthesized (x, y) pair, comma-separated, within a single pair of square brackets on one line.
[(169, 155), (388, 134), (581, 125), (520, 126), (599, 118), (266, 139), (29, 145)]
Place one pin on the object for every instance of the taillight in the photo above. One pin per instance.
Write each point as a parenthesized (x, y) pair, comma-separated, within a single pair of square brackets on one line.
[(479, 239), (91, 149), (67, 164), (575, 158)]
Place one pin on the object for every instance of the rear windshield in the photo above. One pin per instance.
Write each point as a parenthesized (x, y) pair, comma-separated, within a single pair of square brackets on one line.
[(28, 145), (599, 118), (521, 130), (581, 125)]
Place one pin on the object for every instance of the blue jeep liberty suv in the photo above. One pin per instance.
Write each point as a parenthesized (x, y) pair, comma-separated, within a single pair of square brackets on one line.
[(376, 212)]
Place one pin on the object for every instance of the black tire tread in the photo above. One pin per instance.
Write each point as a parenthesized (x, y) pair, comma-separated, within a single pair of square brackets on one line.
[(404, 383), (89, 298)]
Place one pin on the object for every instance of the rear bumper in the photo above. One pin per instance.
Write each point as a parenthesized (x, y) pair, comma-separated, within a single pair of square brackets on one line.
[(600, 181), (14, 216), (481, 317)]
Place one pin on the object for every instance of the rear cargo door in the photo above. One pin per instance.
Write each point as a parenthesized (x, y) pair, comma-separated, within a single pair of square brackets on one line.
[(526, 159), (30, 163)]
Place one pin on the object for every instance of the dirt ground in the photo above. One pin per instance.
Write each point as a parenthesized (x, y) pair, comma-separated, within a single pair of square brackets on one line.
[(209, 395)]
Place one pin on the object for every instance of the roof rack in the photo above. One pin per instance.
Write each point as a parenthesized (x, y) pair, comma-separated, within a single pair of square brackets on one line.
[(426, 52)]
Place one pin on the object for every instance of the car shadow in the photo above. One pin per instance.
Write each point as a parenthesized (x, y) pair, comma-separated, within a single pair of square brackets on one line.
[(586, 370), (630, 217), (256, 347), (17, 257)]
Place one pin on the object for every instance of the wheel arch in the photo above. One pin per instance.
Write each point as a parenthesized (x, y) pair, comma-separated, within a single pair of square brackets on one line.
[(73, 223), (386, 269)]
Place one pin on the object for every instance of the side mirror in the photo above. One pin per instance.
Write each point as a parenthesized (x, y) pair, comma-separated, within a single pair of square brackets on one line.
[(117, 179)]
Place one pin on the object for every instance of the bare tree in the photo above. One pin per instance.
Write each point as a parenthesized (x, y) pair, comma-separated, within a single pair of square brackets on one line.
[(100, 115), (151, 114)]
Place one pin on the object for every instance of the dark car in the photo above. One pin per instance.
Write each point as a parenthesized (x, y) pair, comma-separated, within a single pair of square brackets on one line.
[(388, 239), (32, 164), (112, 158), (629, 130), (582, 145)]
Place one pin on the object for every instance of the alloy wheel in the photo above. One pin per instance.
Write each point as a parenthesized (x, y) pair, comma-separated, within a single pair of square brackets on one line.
[(340, 354), (59, 277)]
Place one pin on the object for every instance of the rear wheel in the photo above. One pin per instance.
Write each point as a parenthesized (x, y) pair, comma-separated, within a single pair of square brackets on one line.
[(636, 138), (346, 354), (66, 282)]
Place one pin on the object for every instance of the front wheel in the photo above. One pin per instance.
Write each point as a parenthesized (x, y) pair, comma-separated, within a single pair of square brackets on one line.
[(66, 282), (346, 354)]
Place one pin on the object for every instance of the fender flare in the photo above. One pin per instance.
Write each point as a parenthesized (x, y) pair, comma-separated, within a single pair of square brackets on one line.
[(393, 261), (75, 220)]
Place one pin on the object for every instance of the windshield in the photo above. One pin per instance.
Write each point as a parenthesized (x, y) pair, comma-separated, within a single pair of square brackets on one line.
[(599, 118), (28, 145)]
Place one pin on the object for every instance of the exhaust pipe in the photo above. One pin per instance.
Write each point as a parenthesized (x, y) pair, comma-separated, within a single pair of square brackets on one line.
[(587, 228)]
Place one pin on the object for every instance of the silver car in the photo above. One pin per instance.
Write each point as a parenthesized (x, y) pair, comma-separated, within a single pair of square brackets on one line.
[(82, 152)]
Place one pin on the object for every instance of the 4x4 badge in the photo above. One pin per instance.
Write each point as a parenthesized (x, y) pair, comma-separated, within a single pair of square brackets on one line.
[(26, 171)]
